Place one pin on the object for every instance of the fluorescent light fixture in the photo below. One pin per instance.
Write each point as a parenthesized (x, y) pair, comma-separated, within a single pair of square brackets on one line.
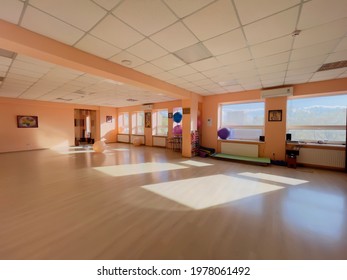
[(193, 53)]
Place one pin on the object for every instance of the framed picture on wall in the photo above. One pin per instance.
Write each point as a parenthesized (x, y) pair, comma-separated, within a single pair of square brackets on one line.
[(148, 120), (108, 119), (275, 116), (27, 122)]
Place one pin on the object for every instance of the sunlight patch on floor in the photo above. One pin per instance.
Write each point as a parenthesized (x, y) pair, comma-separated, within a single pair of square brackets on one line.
[(139, 168), (74, 150), (205, 192), (274, 178), (195, 163)]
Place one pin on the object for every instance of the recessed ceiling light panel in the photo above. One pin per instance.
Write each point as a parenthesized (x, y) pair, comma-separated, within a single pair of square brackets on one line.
[(193, 53)]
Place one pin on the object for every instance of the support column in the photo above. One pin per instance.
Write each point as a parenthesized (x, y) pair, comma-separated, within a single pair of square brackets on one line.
[(189, 123)]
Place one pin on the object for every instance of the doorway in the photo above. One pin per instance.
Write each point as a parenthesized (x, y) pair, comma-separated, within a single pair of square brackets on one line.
[(85, 126)]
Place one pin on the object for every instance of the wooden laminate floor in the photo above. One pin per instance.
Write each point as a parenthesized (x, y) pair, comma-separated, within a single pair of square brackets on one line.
[(150, 203)]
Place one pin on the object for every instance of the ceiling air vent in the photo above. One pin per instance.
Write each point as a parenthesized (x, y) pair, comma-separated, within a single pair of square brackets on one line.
[(333, 65)]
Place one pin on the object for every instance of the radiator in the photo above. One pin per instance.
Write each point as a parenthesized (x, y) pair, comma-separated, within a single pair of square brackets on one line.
[(240, 149), (159, 141), (142, 137), (322, 157), (123, 138)]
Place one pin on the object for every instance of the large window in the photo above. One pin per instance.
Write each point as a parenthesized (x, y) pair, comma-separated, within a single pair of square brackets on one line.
[(160, 122), (123, 123), (317, 119), (245, 121), (138, 123)]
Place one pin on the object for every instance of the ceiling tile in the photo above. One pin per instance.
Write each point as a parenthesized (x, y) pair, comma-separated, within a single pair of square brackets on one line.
[(274, 75), (272, 27), (234, 57), (272, 47), (235, 88), (227, 42), (41, 63), (148, 69), (164, 76), (327, 75), (66, 10), (213, 20), (206, 64), (314, 50), (250, 12), (298, 79), (183, 71), (321, 33), (168, 62), (125, 56), (117, 33), (5, 61), (342, 45), (337, 56), (24, 72), (33, 20), (177, 81), (272, 83), (241, 67), (97, 47), (318, 12), (22, 77), (302, 71), (272, 59), (3, 69), (183, 8), (147, 50), (303, 63), (218, 72), (194, 77), (11, 10), (107, 4), (174, 38), (273, 69), (146, 16)]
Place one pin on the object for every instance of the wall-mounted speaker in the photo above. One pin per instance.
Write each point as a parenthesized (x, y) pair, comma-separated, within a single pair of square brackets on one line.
[(288, 137), (262, 138)]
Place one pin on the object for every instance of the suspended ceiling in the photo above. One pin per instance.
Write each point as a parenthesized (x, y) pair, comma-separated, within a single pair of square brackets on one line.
[(202, 46)]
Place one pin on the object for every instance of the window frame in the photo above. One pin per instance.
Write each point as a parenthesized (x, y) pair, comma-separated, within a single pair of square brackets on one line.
[(122, 127), (134, 123), (240, 127), (290, 128), (155, 127)]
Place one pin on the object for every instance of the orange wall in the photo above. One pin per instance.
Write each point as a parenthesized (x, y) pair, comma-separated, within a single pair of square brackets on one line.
[(56, 124), (108, 131), (274, 146)]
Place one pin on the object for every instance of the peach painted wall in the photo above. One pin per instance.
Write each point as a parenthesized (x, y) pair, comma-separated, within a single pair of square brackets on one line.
[(274, 131), (210, 111), (108, 131), (56, 125)]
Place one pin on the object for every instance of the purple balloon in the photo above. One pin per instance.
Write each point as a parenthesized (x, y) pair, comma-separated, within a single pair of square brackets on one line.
[(223, 133), (177, 130)]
